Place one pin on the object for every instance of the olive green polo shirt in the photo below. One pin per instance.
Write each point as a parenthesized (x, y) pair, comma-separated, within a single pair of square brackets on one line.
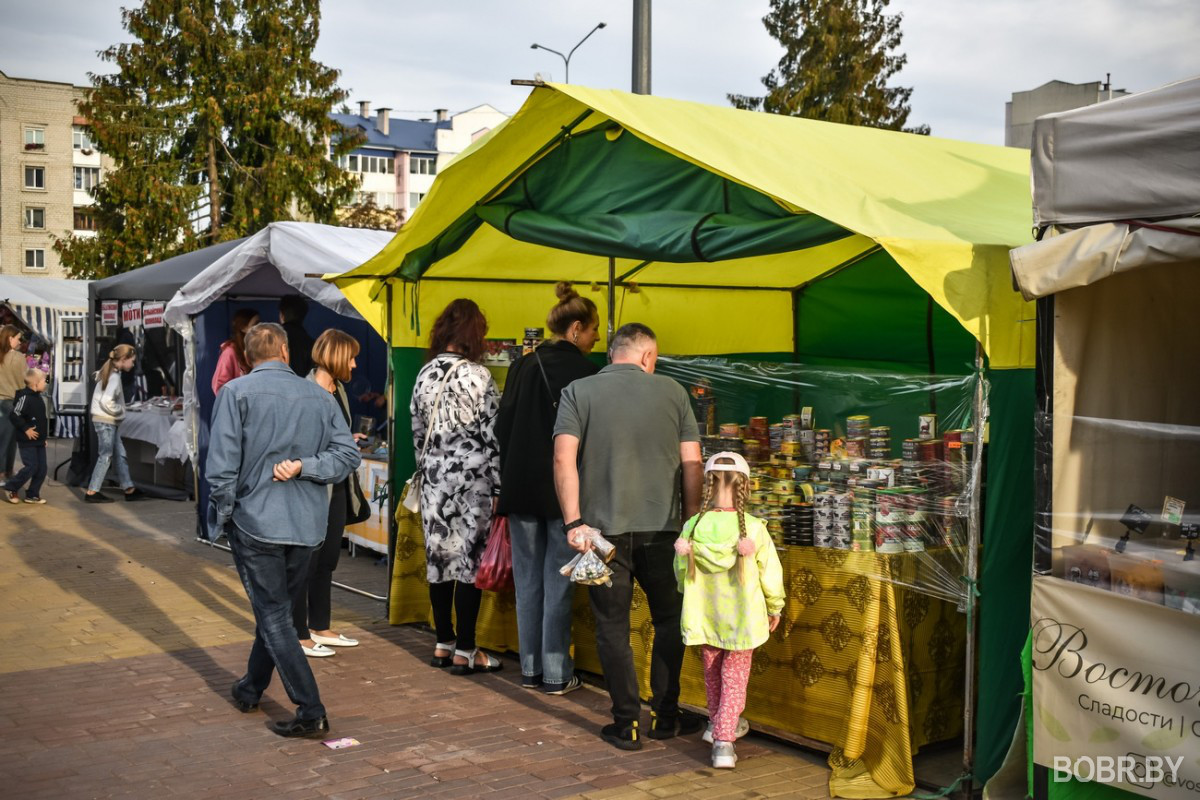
[(630, 425)]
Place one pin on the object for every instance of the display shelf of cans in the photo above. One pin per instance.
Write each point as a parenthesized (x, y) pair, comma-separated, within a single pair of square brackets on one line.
[(814, 489)]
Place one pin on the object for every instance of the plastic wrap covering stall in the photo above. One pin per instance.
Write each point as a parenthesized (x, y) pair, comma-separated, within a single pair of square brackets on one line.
[(863, 461)]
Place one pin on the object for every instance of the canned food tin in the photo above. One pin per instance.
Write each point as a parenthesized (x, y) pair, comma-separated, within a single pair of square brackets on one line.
[(791, 448), (910, 449), (889, 538), (758, 424), (930, 450), (534, 333), (730, 429), (856, 447), (927, 426)]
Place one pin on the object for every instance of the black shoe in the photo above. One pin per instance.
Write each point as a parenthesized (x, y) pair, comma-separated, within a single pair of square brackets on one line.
[(531, 681), (296, 727), (98, 497), (623, 736), (559, 689), (681, 724), (240, 704), (134, 496)]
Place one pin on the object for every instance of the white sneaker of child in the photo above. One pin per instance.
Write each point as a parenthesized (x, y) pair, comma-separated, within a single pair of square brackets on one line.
[(743, 727), (723, 755)]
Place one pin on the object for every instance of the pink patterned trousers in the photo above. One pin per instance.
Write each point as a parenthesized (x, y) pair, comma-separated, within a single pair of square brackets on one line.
[(726, 675)]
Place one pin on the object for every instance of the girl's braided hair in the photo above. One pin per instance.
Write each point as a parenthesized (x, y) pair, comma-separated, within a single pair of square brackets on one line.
[(741, 496)]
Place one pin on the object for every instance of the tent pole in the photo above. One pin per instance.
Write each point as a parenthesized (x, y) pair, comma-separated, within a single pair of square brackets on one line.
[(973, 542), (390, 401), (612, 295)]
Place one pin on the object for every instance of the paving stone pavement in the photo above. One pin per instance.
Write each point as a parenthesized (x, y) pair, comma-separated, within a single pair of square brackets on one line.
[(122, 637)]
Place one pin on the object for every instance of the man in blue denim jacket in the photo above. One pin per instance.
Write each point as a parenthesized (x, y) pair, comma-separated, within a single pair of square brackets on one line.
[(277, 441)]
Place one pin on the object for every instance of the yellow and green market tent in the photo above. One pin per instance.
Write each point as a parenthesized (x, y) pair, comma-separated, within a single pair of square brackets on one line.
[(754, 235)]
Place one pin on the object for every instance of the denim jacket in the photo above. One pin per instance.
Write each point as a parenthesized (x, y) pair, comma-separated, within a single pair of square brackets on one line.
[(260, 419)]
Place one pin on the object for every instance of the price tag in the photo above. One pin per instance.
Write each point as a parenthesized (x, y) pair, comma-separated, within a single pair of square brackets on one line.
[(1189, 530), (1136, 518), (1172, 512)]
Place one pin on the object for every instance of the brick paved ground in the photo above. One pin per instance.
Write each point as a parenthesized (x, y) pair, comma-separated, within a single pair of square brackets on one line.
[(121, 638)]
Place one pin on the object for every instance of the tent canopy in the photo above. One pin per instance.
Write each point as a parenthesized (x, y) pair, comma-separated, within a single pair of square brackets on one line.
[(159, 281), (278, 261), (1136, 157), (39, 302), (692, 197)]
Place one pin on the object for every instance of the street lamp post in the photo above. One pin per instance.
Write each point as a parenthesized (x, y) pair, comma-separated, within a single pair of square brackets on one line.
[(567, 58)]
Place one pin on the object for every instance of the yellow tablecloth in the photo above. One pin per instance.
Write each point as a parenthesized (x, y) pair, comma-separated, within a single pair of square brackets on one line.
[(868, 666)]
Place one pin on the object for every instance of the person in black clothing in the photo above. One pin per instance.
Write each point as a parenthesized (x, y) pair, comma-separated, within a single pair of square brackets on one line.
[(29, 419), (292, 311), (525, 431)]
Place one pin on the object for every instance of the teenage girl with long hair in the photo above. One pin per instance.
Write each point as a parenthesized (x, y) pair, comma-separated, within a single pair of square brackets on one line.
[(732, 584), (232, 362), (108, 410)]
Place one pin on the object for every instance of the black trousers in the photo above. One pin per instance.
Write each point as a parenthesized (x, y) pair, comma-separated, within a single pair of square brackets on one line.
[(649, 559), (312, 602), (454, 599)]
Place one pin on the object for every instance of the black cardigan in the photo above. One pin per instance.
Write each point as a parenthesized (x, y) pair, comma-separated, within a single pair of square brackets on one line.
[(525, 428)]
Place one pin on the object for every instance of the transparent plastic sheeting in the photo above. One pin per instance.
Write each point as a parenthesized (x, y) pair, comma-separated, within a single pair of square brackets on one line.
[(854, 461), (1124, 510)]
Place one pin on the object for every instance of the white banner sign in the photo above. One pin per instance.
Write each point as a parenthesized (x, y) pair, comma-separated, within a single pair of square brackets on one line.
[(110, 312), (152, 314), (131, 314), (1116, 690)]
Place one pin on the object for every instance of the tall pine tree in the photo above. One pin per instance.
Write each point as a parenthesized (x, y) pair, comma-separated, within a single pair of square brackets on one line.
[(217, 124), (839, 56)]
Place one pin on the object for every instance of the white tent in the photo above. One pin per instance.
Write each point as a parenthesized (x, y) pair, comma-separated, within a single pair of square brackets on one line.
[(283, 258), (39, 302)]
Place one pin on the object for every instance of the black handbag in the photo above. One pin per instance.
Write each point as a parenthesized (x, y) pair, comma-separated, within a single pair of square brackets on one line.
[(358, 508)]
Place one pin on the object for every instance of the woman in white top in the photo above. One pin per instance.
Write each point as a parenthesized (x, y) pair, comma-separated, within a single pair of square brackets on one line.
[(108, 409)]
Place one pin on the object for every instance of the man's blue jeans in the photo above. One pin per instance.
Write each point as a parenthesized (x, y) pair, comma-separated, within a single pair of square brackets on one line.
[(271, 574), (544, 595)]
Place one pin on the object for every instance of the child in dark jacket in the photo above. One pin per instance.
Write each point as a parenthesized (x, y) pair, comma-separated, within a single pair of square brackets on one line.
[(29, 418)]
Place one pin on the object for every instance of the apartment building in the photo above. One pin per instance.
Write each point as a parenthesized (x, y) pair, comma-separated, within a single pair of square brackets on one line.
[(400, 158), (48, 165), (1050, 97)]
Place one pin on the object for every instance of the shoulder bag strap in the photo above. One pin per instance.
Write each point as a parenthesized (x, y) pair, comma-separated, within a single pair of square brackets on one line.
[(545, 380), (433, 416)]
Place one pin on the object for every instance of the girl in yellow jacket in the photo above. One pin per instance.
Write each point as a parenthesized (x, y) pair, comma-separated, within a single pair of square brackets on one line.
[(732, 585)]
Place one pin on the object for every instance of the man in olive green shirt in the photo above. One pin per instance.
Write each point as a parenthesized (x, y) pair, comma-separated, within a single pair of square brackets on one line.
[(626, 446)]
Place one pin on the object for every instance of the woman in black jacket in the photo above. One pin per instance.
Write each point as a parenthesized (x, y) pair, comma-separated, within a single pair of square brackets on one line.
[(525, 431)]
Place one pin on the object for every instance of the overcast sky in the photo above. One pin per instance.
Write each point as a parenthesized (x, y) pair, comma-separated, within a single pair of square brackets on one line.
[(965, 58)]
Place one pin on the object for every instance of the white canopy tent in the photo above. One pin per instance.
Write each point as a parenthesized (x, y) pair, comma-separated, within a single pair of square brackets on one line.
[(39, 302)]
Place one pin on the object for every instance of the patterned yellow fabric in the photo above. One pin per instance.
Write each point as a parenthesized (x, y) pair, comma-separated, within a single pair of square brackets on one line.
[(861, 662)]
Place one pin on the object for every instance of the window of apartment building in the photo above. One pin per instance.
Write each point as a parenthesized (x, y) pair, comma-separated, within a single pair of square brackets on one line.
[(87, 178), (377, 164), (385, 199), (422, 165), (84, 221), (35, 177), (35, 217), (415, 198), (35, 138), (81, 138), (35, 258)]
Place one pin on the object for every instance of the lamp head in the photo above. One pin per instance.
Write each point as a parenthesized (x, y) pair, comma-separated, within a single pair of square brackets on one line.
[(602, 25), (534, 46)]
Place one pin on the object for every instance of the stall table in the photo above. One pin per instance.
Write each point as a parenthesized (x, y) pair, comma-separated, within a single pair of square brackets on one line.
[(156, 446), (373, 533), (861, 663)]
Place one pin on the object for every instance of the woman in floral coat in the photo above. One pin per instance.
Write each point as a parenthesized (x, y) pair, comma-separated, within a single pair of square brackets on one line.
[(459, 475)]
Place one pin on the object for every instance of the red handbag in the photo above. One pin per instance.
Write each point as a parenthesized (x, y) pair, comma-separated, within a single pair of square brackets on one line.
[(495, 567)]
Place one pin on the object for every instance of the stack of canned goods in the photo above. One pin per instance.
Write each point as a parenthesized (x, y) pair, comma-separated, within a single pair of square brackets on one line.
[(822, 439), (796, 524), (832, 520), (880, 442), (900, 520), (858, 435)]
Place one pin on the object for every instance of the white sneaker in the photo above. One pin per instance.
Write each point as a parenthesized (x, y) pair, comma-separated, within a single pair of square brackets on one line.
[(723, 755), (743, 727), (318, 651), (334, 641)]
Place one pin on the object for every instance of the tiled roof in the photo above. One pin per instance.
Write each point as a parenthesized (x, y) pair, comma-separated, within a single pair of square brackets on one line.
[(403, 134)]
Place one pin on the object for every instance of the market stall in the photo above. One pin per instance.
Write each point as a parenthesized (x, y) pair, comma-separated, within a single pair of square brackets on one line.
[(1116, 276), (282, 259), (50, 311), (824, 245)]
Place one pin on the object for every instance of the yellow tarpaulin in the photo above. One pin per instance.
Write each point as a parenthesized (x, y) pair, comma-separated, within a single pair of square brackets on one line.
[(946, 211)]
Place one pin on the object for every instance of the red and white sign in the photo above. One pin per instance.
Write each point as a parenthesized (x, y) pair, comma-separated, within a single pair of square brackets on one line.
[(152, 314), (131, 314), (110, 312)]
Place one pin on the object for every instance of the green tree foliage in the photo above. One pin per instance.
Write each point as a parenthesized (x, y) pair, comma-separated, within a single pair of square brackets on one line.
[(216, 120), (368, 215), (839, 56)]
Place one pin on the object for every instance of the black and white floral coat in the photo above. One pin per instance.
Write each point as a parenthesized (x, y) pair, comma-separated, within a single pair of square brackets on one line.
[(461, 465)]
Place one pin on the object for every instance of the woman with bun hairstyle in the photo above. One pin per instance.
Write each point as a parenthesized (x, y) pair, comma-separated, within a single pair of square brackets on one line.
[(108, 410), (525, 431)]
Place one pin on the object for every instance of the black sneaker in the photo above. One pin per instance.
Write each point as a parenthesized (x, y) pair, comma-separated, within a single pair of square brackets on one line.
[(135, 496), (531, 681), (240, 704), (670, 726), (559, 689), (308, 728), (97, 498), (623, 736)]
